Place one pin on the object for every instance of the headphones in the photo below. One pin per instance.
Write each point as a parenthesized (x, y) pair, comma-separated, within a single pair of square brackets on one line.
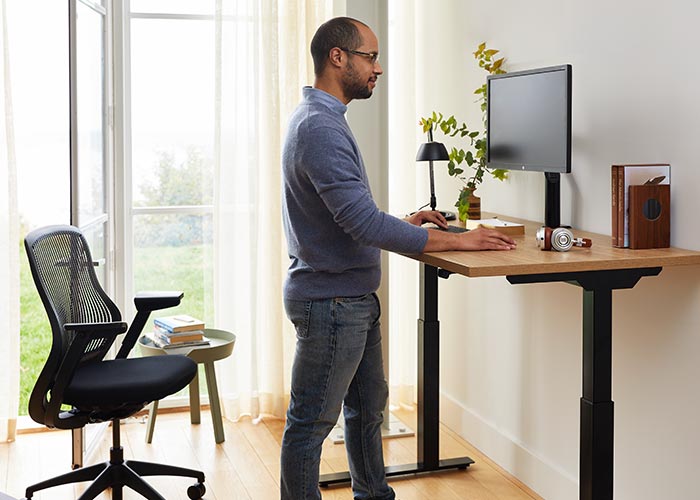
[(560, 239)]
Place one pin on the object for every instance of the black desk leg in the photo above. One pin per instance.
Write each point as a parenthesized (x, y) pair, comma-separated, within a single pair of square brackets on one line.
[(428, 431), (597, 419), (428, 371)]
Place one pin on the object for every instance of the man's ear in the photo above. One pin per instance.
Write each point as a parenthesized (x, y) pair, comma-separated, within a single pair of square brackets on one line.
[(335, 57)]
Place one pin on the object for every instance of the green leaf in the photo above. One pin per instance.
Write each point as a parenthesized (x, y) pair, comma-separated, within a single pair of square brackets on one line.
[(474, 134), (500, 174), (470, 158), (490, 52), (497, 64)]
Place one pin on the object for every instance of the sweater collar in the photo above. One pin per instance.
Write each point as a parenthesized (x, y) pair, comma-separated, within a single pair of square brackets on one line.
[(312, 94)]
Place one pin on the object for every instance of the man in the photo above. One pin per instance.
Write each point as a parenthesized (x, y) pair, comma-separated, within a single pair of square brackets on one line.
[(334, 234)]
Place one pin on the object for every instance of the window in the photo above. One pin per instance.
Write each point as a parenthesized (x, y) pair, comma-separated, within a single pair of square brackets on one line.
[(171, 67)]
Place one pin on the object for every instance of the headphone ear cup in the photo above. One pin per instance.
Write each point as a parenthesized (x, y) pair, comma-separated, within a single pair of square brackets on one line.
[(544, 238), (562, 239)]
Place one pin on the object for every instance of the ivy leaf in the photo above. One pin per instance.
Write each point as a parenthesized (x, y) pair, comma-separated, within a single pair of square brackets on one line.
[(474, 134), (500, 174), (490, 52), (470, 158), (497, 64)]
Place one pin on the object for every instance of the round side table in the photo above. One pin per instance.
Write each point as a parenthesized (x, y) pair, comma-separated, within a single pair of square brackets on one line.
[(220, 347)]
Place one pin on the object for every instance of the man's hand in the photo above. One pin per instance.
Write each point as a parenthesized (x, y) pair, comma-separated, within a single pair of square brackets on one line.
[(476, 239), (420, 218)]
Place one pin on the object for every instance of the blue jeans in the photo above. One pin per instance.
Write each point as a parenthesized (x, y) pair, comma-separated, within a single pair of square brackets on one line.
[(338, 361)]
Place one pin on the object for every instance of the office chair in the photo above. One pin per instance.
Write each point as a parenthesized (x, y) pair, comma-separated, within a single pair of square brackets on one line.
[(84, 324)]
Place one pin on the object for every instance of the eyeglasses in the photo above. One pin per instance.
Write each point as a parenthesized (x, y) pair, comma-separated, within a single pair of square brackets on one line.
[(372, 56)]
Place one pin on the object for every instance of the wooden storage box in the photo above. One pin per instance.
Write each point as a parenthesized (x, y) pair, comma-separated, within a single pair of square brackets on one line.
[(650, 216)]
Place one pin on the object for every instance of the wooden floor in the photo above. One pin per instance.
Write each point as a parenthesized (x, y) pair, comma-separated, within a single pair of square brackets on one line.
[(246, 465)]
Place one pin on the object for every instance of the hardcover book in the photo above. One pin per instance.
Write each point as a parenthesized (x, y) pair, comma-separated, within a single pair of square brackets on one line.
[(179, 323)]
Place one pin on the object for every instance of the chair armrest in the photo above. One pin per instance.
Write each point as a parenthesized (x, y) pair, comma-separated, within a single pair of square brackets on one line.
[(152, 301), (146, 302), (115, 327)]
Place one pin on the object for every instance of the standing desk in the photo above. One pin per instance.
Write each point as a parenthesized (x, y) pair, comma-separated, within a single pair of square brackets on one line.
[(598, 271)]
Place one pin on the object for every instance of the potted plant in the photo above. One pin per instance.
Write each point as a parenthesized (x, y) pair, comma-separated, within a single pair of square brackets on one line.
[(474, 154)]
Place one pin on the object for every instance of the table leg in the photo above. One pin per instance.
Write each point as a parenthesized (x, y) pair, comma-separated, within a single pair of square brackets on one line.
[(195, 416), (597, 407), (428, 431), (214, 402), (152, 412)]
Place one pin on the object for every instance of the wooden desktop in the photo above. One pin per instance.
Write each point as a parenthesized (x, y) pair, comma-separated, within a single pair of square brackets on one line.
[(598, 271)]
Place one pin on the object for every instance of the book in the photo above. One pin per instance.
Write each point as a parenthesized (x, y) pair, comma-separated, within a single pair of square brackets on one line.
[(506, 227), (172, 338), (193, 343), (179, 323), (614, 202), (634, 175), (156, 340)]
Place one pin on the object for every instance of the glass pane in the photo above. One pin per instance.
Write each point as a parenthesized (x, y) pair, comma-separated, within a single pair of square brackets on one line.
[(175, 252), (173, 6), (40, 105), (91, 112), (172, 109)]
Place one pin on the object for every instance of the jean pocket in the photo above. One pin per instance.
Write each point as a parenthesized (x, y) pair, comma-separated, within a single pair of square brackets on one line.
[(299, 313)]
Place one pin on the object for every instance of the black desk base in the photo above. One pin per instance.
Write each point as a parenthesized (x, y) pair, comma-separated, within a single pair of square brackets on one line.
[(400, 470)]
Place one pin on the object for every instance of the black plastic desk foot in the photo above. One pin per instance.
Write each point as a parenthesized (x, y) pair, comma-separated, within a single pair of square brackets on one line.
[(461, 463)]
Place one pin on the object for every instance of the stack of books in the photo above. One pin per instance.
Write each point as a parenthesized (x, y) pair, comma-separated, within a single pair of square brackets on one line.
[(177, 331), (622, 177)]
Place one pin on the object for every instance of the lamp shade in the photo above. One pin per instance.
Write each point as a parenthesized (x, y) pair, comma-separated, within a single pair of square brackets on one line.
[(432, 151)]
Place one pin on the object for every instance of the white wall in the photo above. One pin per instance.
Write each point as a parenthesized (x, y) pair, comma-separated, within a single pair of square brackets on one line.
[(511, 355)]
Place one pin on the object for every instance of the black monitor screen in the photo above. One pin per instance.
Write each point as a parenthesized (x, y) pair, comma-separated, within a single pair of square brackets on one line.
[(529, 120)]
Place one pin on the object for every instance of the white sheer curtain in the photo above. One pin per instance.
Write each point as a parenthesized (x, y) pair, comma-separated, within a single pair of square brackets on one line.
[(9, 251), (409, 185), (262, 57)]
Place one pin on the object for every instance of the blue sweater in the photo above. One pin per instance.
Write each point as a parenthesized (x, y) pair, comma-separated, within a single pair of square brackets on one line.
[(333, 227)]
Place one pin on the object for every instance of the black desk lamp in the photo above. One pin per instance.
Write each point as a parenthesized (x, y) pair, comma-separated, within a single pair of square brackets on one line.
[(434, 151)]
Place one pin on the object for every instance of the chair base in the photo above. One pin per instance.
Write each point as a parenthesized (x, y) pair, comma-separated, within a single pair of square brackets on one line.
[(117, 474)]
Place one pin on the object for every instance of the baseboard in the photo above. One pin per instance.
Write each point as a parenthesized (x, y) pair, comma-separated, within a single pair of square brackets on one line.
[(546, 479)]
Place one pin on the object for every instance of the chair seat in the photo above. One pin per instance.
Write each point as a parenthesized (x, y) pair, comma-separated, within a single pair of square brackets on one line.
[(131, 380)]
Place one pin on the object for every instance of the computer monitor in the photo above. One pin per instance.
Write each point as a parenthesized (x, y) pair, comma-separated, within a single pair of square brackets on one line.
[(529, 127)]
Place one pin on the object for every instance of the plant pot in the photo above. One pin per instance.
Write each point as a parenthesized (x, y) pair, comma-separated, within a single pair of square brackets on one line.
[(472, 203)]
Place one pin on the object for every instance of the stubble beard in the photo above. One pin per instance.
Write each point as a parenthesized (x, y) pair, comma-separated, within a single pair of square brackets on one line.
[(353, 86)]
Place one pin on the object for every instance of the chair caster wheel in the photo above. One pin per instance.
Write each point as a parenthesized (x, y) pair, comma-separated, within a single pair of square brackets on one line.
[(196, 491)]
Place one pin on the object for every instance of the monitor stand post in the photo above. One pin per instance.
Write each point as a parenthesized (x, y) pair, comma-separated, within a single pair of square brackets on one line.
[(552, 199)]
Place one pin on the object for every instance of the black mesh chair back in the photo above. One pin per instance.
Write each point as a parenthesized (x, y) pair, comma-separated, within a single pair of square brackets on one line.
[(64, 275)]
